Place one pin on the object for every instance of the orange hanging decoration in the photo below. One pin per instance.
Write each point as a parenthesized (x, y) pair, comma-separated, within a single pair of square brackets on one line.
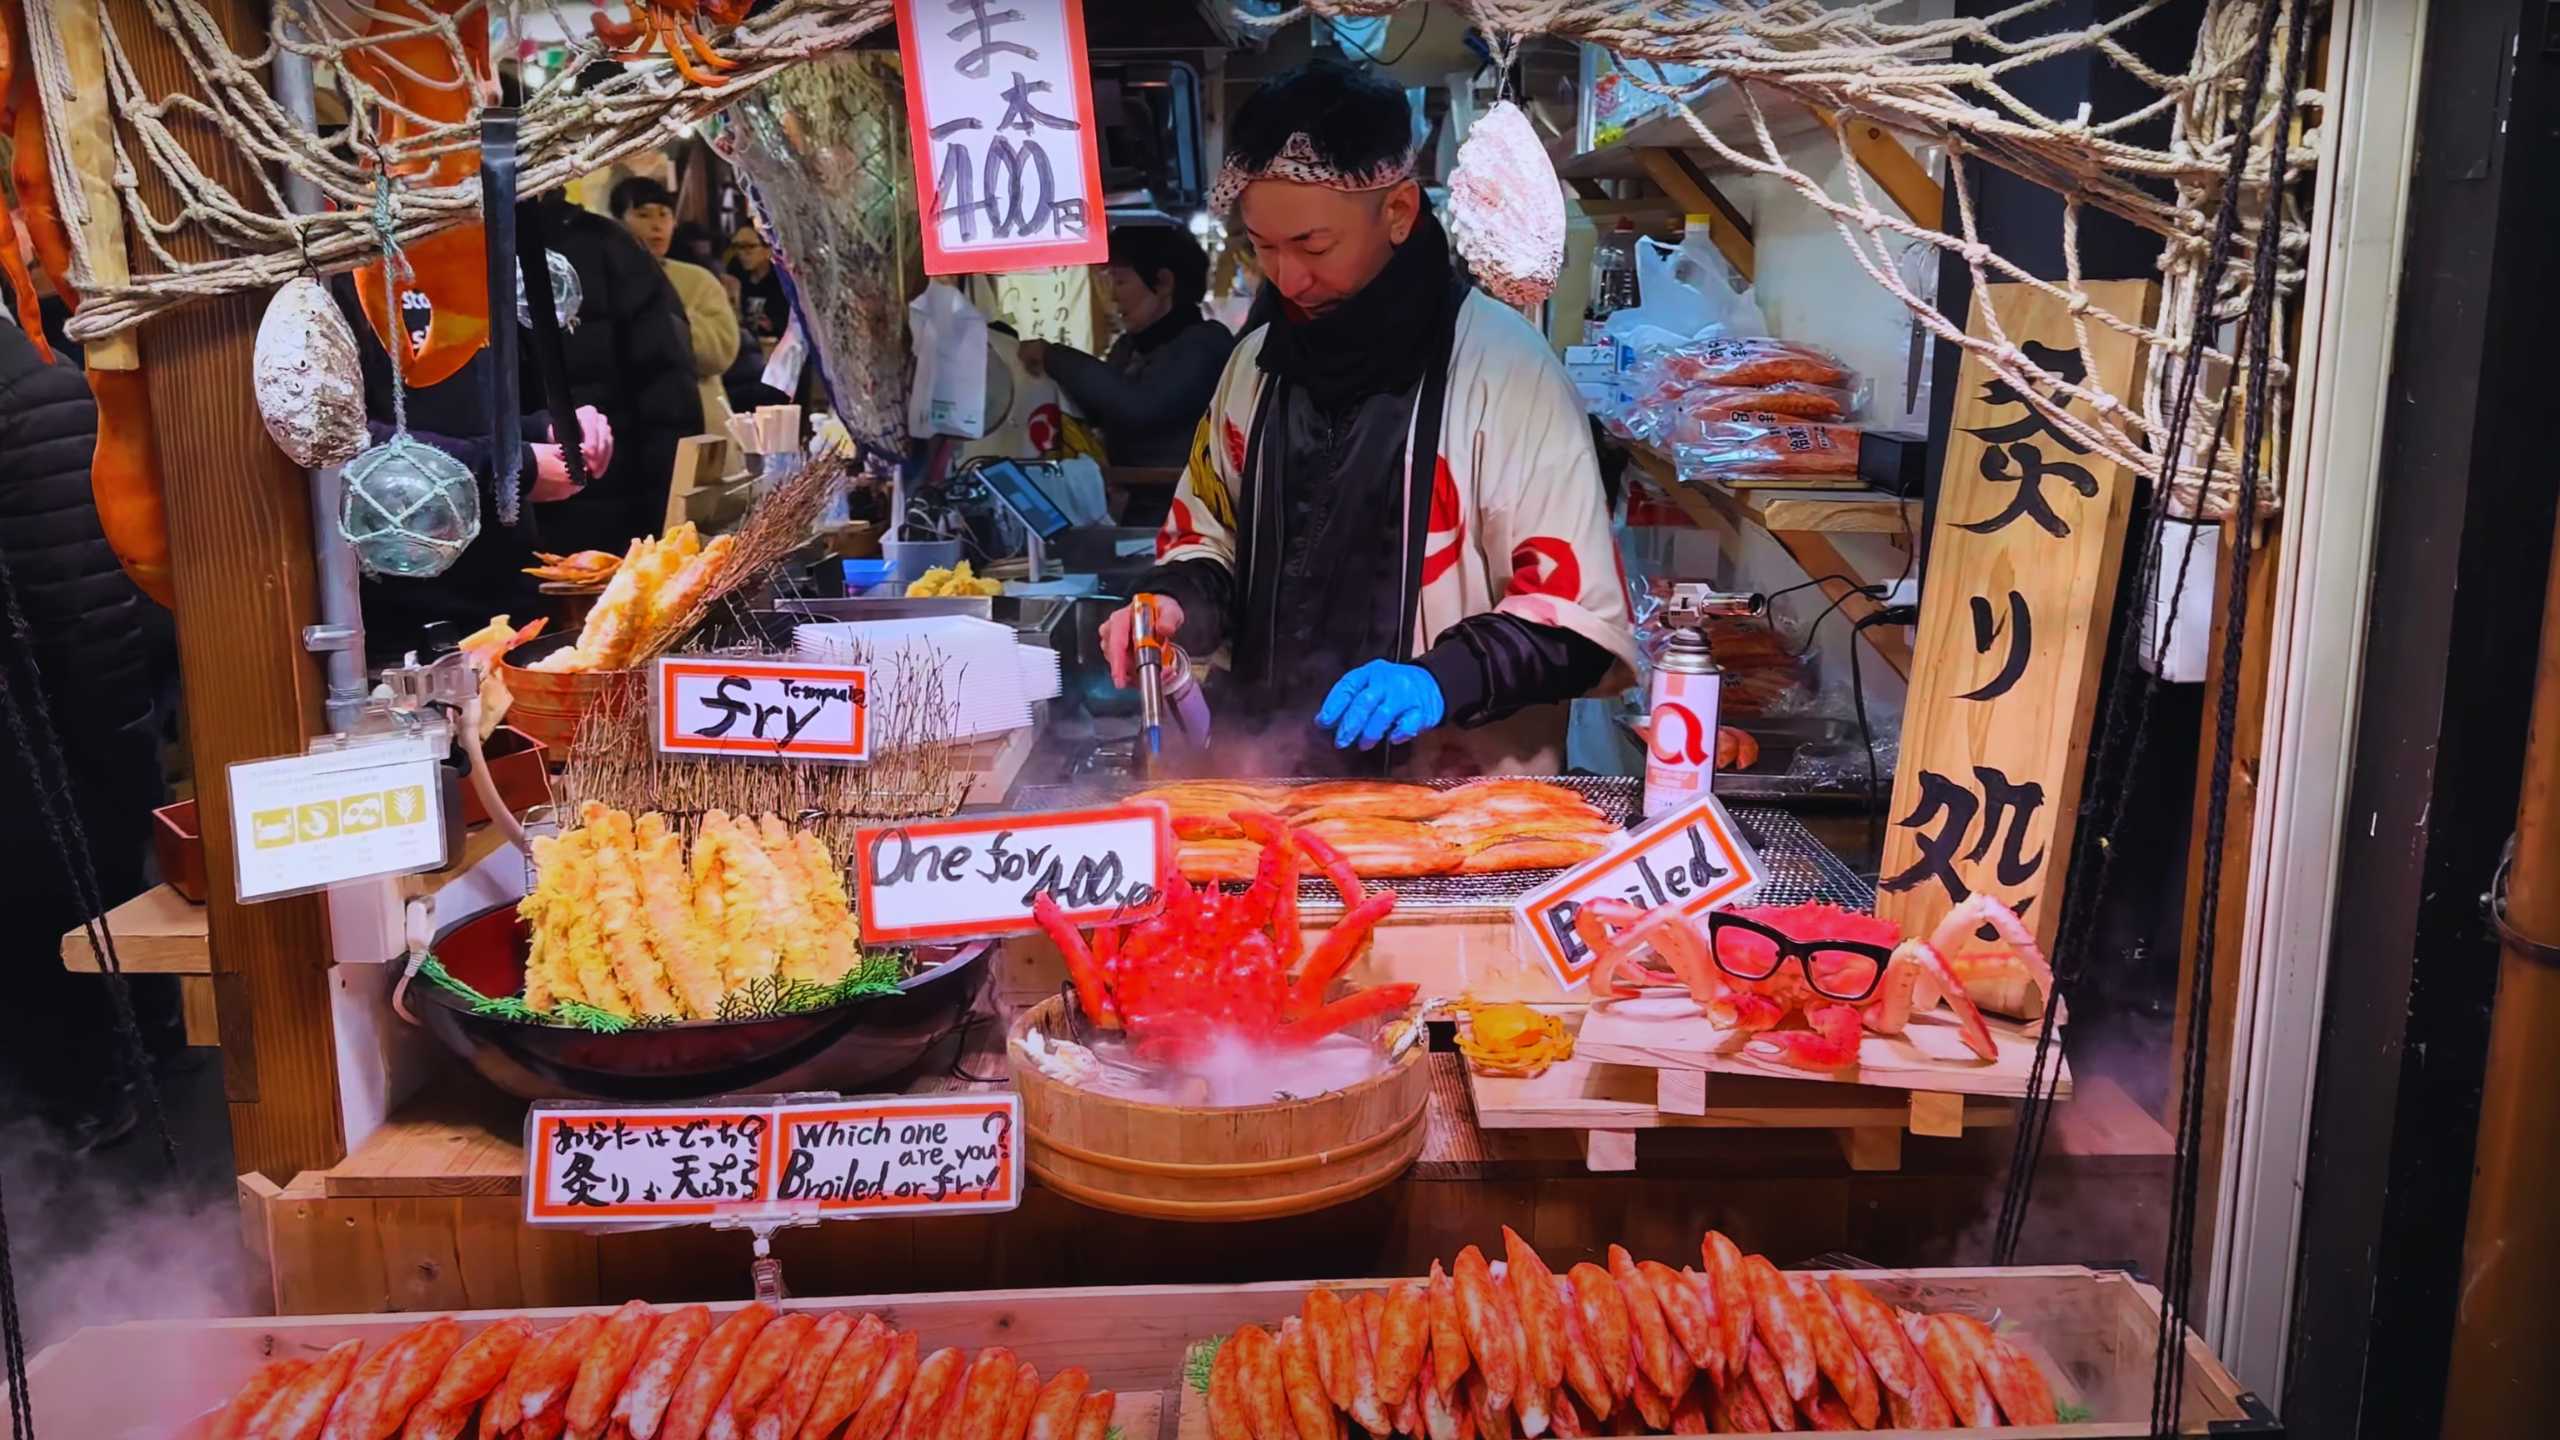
[(449, 270)]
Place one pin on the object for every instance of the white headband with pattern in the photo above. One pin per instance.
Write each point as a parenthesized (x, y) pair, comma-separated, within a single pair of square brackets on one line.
[(1298, 161)]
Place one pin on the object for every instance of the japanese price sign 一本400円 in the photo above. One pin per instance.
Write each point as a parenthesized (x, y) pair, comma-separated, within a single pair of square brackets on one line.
[(1000, 105)]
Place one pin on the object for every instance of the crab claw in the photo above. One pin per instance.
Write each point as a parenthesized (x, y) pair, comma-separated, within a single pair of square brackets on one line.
[(1092, 989), (1745, 1011), (1989, 977), (1925, 966), (1335, 950), (1349, 1010), (1330, 860), (1832, 1044)]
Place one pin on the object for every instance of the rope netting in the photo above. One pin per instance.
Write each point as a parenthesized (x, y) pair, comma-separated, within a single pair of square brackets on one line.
[(413, 80)]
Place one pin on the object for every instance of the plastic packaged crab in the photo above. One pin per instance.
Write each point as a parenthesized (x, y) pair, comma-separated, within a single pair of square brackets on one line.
[(1214, 964), (1842, 972)]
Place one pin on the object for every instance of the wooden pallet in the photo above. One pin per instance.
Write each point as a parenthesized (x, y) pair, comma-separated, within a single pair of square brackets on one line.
[(1651, 1064)]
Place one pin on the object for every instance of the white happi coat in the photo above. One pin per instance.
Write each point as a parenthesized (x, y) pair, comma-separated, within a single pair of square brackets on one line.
[(1518, 524)]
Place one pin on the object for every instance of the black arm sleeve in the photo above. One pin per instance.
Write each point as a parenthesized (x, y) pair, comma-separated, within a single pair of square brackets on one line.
[(1206, 592), (1174, 390), (1490, 666)]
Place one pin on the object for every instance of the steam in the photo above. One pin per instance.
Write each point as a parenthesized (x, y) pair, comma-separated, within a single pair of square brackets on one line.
[(90, 1249)]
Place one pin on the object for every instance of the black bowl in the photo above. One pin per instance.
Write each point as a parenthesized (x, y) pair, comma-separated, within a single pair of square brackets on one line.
[(847, 1047)]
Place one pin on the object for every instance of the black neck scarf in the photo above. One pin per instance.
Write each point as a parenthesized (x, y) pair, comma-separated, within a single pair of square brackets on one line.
[(1161, 333), (1377, 342)]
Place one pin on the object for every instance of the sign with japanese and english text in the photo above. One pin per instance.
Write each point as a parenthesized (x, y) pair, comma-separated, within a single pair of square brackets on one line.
[(1694, 857), (761, 709), (306, 821), (1000, 107), (948, 879), (2028, 535), (821, 1157)]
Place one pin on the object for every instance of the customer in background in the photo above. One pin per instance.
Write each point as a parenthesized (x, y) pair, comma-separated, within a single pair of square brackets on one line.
[(95, 653), (648, 210), (1148, 393), (631, 359), (763, 306)]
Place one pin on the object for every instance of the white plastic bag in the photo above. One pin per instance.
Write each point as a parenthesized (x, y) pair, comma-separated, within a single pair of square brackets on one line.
[(950, 338), (1683, 293)]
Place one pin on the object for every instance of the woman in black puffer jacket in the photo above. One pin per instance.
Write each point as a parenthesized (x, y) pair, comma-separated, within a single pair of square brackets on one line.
[(100, 652)]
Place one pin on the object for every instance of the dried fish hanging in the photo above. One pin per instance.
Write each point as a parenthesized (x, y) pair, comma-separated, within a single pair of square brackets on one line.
[(409, 509)]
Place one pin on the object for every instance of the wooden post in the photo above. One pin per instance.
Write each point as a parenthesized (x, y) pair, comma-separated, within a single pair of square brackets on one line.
[(240, 531)]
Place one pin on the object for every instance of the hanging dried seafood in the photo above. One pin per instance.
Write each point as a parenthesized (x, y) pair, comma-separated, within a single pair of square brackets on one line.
[(309, 385), (1506, 211)]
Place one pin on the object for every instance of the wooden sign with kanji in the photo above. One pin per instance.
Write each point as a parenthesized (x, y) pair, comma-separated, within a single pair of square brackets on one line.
[(2023, 557)]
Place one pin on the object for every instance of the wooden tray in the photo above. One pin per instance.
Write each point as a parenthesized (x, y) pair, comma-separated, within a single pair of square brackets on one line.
[(1666, 1032), (2092, 1331)]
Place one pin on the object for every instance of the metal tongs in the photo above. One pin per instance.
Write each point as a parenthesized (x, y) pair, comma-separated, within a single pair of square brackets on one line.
[(1147, 641)]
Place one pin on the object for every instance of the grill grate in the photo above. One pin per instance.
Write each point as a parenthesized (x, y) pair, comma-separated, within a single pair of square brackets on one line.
[(1801, 868)]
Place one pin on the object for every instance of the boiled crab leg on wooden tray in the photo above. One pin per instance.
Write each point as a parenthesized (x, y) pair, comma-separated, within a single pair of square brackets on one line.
[(1734, 1346), (1211, 966), (1388, 829), (652, 1374)]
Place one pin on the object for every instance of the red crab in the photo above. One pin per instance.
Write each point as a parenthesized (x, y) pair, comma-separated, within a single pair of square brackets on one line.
[(1843, 971), (669, 25), (1212, 963)]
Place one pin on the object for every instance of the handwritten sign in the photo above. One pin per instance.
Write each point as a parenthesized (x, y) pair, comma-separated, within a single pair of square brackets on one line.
[(2028, 533), (949, 1154), (1693, 857), (307, 821), (796, 1159), (762, 709), (1000, 104), (944, 879)]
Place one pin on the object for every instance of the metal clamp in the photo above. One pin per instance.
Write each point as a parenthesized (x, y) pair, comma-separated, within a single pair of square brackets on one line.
[(323, 639), (2493, 904)]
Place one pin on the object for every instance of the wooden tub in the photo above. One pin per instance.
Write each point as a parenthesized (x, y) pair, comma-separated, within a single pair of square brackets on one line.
[(550, 703), (1177, 1162)]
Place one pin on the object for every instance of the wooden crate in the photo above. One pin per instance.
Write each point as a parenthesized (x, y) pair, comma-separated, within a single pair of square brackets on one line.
[(2094, 1332)]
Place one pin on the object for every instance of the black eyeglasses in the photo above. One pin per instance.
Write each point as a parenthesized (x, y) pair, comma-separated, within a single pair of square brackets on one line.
[(1844, 970)]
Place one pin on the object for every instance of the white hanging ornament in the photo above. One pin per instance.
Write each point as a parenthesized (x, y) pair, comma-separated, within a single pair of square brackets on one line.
[(566, 293), (305, 373), (1506, 209)]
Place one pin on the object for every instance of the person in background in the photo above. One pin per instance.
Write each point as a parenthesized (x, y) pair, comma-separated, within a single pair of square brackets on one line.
[(763, 307), (1148, 393), (94, 654), (648, 210)]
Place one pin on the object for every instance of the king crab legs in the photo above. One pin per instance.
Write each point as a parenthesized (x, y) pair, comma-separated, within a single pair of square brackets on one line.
[(1638, 950), (667, 25), (1210, 965)]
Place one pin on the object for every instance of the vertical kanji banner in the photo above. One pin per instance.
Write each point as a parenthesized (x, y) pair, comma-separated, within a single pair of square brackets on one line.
[(1000, 108), (2023, 559)]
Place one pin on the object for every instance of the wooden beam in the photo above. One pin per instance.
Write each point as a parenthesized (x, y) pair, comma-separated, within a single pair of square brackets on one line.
[(1641, 205), (1895, 169), (240, 525), (1684, 182)]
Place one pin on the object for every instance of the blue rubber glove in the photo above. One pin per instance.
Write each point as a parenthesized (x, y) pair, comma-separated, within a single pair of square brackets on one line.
[(1381, 701)]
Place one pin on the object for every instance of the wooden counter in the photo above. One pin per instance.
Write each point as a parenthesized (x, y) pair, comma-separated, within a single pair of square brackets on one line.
[(427, 1213)]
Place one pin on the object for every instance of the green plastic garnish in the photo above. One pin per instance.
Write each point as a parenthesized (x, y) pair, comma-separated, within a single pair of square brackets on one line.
[(873, 974), (1196, 1365), (2073, 1414)]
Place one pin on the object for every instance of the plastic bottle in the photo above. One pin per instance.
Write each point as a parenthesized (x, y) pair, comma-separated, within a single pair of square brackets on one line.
[(1613, 271)]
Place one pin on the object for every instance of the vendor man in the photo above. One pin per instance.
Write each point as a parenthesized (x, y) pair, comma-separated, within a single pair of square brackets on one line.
[(1392, 515)]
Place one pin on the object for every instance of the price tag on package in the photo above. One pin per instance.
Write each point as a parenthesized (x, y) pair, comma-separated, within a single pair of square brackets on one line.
[(823, 1157), (305, 822), (975, 876), (1693, 857), (1001, 109), (761, 709)]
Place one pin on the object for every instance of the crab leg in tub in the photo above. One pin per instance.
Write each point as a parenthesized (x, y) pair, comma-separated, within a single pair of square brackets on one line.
[(1336, 949), (1962, 1386), (271, 1379), (1349, 1010), (1780, 1324), (1683, 1314), (1093, 1422), (1488, 1329), (1310, 1407), (880, 1405), (1656, 1353), (1280, 866), (1879, 1338), (848, 1377), (2014, 1380), (1838, 1357), (297, 1411), (1092, 990), (1768, 1383), (1330, 860)]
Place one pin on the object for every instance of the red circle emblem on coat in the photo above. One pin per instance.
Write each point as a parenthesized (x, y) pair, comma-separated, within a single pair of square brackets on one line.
[(1448, 528), (1544, 565)]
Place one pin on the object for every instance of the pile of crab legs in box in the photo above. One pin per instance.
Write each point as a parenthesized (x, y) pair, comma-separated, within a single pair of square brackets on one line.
[(1857, 974), (1738, 1347), (1213, 965)]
